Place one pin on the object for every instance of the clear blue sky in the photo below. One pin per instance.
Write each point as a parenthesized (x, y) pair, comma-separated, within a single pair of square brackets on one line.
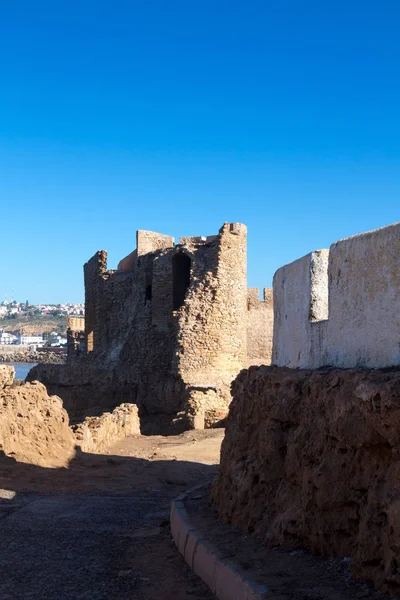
[(178, 115)]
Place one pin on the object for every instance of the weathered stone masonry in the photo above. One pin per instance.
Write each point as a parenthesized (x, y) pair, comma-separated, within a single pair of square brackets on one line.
[(260, 323), (168, 330)]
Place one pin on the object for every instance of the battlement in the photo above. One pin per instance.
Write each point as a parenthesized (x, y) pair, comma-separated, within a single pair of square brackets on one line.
[(254, 300), (148, 242), (340, 306)]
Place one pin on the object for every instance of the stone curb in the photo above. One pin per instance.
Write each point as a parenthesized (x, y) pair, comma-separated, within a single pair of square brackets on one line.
[(218, 571)]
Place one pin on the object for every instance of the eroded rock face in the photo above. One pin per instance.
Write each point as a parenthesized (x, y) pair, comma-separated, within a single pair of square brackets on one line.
[(7, 375), (312, 459), (34, 426)]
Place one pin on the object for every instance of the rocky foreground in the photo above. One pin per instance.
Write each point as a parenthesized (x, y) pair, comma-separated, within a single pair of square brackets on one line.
[(98, 530), (312, 459), (34, 427)]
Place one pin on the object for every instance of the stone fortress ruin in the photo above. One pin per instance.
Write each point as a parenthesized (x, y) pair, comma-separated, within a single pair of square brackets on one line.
[(311, 455), (168, 330), (174, 324)]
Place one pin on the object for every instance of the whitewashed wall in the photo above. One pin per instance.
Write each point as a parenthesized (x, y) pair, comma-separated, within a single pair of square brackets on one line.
[(300, 301), (341, 307)]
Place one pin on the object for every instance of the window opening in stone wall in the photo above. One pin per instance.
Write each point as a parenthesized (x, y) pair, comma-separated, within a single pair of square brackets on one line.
[(148, 284), (89, 326), (89, 342), (181, 265), (148, 293)]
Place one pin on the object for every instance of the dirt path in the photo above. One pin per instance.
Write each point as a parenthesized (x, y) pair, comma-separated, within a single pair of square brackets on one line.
[(99, 529)]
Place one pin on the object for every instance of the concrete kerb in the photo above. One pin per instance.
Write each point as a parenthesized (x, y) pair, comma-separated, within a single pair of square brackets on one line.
[(218, 571)]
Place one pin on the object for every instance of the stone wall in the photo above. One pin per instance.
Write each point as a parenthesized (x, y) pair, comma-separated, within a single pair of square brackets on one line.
[(312, 459), (94, 270), (76, 323), (128, 263), (148, 242), (339, 307), (260, 323), (211, 324), (97, 433), (76, 338), (300, 295), (86, 388)]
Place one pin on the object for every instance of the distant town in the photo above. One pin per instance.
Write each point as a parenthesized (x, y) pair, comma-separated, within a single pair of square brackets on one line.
[(22, 323)]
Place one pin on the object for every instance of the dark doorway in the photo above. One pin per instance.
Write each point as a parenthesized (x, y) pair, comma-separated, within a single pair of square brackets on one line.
[(181, 265), (148, 294)]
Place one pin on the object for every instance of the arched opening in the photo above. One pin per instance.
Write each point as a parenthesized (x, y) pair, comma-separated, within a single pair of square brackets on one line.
[(181, 265)]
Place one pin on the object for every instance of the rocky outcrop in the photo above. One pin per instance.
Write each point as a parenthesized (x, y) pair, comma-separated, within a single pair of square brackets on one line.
[(96, 433), (34, 426), (312, 459), (7, 375)]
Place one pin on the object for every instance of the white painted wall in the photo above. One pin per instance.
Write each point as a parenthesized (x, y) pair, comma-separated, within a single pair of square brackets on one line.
[(364, 300), (341, 307)]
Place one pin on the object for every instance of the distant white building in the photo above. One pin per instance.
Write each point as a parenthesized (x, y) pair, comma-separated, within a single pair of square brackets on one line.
[(56, 340), (7, 338), (30, 340)]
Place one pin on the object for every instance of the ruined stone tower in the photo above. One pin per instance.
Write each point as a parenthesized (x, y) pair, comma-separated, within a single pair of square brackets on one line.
[(168, 329)]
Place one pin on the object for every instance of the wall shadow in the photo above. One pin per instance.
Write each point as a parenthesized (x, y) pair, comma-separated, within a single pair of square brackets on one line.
[(99, 473), (96, 529)]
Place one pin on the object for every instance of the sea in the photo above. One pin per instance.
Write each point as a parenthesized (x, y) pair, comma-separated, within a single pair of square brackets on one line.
[(21, 369)]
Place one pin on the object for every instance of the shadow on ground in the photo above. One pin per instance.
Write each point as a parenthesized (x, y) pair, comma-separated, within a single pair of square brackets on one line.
[(96, 530), (102, 472)]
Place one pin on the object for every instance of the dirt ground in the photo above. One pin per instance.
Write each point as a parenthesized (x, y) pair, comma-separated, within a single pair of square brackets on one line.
[(99, 529)]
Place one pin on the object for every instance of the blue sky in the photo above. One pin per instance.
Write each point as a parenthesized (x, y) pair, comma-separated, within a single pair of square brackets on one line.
[(178, 115)]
